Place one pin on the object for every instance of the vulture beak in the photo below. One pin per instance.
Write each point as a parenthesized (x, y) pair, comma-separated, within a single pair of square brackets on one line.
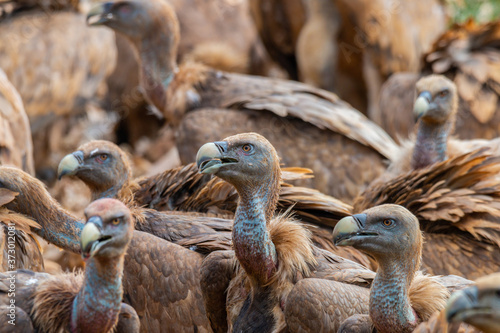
[(422, 104), (69, 164), (463, 304), (92, 239), (100, 14), (212, 156), (349, 229)]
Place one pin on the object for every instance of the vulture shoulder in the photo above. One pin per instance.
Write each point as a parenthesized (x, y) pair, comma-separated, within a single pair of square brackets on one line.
[(163, 285), (16, 229), (16, 146), (456, 204)]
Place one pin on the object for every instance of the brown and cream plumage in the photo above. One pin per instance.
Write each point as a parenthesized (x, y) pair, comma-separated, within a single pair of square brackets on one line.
[(293, 116), (73, 302), (468, 55), (161, 280)]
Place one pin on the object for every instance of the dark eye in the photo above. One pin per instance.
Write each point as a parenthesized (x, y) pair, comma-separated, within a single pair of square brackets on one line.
[(444, 93), (388, 222), (115, 221), (246, 148)]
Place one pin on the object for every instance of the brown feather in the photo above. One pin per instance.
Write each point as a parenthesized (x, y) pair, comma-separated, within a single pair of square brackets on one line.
[(56, 293)]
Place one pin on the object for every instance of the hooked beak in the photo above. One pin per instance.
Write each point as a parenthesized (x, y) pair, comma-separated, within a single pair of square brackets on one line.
[(69, 164), (92, 239), (211, 157), (349, 229), (462, 305), (422, 104), (100, 14)]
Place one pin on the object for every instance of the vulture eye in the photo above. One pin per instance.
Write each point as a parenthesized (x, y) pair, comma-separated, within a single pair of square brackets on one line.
[(388, 222), (115, 221), (103, 157), (246, 148), (444, 93), (125, 9)]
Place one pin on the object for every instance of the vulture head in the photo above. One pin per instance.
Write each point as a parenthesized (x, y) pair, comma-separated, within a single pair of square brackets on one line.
[(437, 99), (138, 20), (478, 305), (244, 160), (101, 165), (108, 229), (387, 232), (250, 163)]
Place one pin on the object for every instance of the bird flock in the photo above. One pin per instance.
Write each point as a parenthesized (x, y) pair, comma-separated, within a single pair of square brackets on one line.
[(248, 166)]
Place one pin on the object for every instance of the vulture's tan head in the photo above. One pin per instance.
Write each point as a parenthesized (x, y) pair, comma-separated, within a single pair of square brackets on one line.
[(387, 232), (478, 305), (244, 160), (100, 164), (437, 99), (138, 20), (108, 230)]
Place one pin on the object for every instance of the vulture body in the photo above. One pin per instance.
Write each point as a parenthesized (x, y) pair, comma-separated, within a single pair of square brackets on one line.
[(58, 65), (248, 289), (400, 297), (105, 168), (468, 54), (88, 302), (194, 95), (161, 280), (16, 146)]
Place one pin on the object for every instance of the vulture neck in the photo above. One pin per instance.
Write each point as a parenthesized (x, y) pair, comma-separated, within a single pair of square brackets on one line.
[(112, 191), (251, 239), (431, 144), (99, 301), (390, 307), (58, 226), (157, 57)]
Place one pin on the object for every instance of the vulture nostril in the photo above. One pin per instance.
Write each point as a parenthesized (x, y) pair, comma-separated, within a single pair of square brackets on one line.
[(222, 146)]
